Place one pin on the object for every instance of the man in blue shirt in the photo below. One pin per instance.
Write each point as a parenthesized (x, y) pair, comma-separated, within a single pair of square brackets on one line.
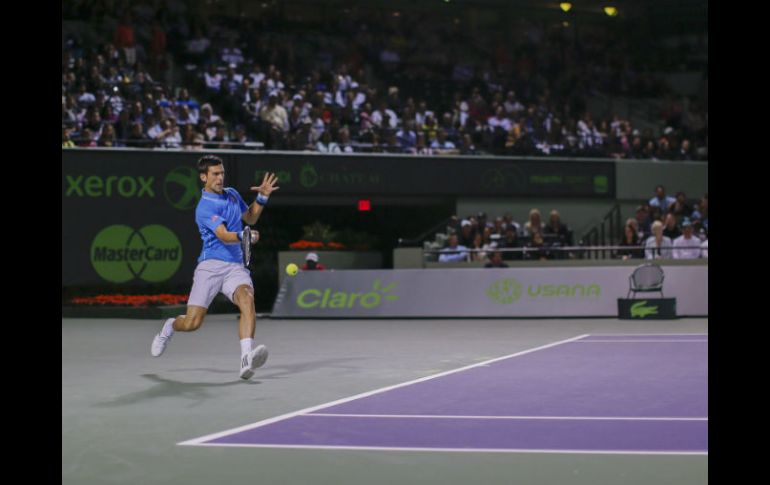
[(220, 215), (661, 200)]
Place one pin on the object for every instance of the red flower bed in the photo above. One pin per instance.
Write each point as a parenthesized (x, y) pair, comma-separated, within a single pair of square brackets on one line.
[(130, 300), (302, 244)]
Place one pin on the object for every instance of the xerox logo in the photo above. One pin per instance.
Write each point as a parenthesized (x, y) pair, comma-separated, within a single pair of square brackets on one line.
[(181, 187), (120, 254)]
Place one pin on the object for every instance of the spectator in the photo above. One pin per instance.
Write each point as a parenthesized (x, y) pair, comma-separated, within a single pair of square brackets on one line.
[(467, 146), (687, 246), (700, 215), (630, 239), (312, 263), (658, 246), (643, 223), (704, 249), (442, 146), (533, 225), (213, 80), (86, 139), (478, 246), (661, 200), (466, 233), (557, 229), (680, 208), (344, 143), (66, 142), (511, 241), (407, 136), (496, 260), (453, 252), (107, 137), (137, 138), (671, 229), (276, 122), (326, 145), (420, 147), (170, 136)]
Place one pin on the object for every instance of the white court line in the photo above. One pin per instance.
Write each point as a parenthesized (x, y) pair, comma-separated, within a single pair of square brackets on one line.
[(564, 418), (648, 334), (638, 340), (264, 422), (459, 450)]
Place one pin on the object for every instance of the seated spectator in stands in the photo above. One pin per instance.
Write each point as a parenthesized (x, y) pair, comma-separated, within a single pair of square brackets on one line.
[(107, 137), (137, 138), (671, 228), (496, 260), (467, 147), (630, 238), (700, 215), (384, 113), (213, 80), (704, 249), (680, 208), (344, 141), (454, 252), (442, 146), (312, 263), (478, 245), (420, 147), (276, 122), (643, 223), (207, 115), (534, 225), (508, 220), (407, 136), (186, 117), (86, 139), (66, 142), (326, 145), (231, 53), (685, 151), (536, 247), (240, 138), (466, 233), (556, 228), (661, 200), (170, 137), (658, 246), (687, 246), (511, 241)]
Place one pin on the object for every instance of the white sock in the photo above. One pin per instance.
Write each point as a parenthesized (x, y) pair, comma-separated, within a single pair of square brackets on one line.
[(246, 344), (168, 328)]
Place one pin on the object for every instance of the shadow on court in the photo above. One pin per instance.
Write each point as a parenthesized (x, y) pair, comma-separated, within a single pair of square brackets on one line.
[(199, 391)]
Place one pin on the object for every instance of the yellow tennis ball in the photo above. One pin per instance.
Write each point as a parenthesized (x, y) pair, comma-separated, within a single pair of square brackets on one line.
[(291, 269)]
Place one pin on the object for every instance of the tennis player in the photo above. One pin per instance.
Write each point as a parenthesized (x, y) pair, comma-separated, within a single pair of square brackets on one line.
[(220, 215)]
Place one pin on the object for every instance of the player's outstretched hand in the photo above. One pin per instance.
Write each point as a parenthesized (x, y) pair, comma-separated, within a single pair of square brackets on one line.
[(268, 185)]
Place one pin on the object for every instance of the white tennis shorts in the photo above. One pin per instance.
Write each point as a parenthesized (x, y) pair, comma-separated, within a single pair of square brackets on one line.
[(212, 276)]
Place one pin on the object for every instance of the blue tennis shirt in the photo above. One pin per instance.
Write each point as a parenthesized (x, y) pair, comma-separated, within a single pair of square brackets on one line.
[(213, 210)]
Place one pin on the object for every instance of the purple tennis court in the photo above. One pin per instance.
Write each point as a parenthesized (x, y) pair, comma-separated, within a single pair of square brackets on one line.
[(626, 394)]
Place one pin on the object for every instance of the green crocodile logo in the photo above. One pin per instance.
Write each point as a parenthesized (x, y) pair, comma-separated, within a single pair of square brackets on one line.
[(641, 311)]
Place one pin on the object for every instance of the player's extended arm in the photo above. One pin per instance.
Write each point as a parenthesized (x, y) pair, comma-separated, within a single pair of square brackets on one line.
[(232, 237), (255, 209)]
